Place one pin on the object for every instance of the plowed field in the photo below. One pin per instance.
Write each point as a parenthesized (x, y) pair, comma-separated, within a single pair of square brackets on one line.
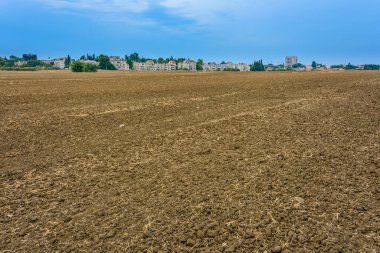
[(190, 162)]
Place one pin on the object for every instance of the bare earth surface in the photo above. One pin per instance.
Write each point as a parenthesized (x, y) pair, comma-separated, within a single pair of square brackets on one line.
[(182, 162)]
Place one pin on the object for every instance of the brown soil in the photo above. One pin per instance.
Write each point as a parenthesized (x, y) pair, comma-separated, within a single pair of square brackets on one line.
[(183, 162)]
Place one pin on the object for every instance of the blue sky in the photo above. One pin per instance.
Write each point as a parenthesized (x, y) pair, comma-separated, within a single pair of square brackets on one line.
[(328, 31)]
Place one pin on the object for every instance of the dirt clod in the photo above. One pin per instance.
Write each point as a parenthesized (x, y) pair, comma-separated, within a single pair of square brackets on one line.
[(212, 233), (111, 234), (33, 219), (276, 249), (230, 249), (182, 238), (200, 234), (190, 242), (268, 231)]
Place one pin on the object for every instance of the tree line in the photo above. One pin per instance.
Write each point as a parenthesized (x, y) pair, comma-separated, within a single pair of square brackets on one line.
[(103, 62)]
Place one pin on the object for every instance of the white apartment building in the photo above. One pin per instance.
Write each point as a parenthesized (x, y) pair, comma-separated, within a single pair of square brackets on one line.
[(212, 66), (59, 63), (188, 65), (170, 66), (149, 65), (144, 66), (120, 64), (242, 67), (228, 65)]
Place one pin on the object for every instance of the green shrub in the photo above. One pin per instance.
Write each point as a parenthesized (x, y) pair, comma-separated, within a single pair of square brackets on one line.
[(36, 63), (19, 68), (88, 67), (371, 67), (231, 69), (77, 66), (83, 67)]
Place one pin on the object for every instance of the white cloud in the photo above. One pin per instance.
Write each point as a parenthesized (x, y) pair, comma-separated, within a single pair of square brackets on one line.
[(201, 11), (218, 14), (205, 12), (134, 6)]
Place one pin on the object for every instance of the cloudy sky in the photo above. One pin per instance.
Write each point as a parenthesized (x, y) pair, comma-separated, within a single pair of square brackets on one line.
[(328, 31)]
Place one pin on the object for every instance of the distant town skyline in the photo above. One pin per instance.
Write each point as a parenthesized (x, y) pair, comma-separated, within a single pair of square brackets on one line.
[(330, 32)]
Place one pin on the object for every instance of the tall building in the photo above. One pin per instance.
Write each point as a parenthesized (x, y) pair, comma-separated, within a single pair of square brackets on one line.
[(29, 57), (290, 61)]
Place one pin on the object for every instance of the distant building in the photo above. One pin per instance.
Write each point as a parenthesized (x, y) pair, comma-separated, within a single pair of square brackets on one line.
[(308, 68), (360, 67), (150, 65), (29, 57), (59, 63), (188, 65), (290, 61), (120, 64), (170, 66), (321, 67), (269, 68), (20, 63), (212, 66), (139, 66), (144, 66), (243, 67), (48, 62)]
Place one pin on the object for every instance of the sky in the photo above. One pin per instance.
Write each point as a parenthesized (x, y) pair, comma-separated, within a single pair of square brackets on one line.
[(327, 31)]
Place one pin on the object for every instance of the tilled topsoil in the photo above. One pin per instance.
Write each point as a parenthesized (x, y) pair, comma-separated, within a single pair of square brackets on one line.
[(190, 162)]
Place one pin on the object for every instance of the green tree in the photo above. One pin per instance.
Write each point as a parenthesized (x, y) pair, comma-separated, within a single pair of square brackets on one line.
[(371, 67), (350, 67), (77, 66), (298, 65), (258, 66), (104, 63), (199, 65), (130, 59), (314, 65), (15, 58), (337, 66), (37, 63), (67, 61), (134, 57), (4, 62), (161, 60)]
